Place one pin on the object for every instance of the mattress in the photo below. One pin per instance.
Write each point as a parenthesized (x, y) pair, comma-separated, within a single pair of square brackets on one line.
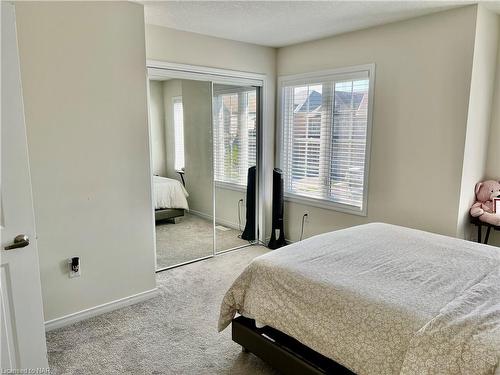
[(169, 193), (380, 299)]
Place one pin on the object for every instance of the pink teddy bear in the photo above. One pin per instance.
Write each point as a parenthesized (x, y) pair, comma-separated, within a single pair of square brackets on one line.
[(483, 208)]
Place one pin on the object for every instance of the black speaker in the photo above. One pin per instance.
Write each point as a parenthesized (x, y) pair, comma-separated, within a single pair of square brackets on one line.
[(249, 232), (277, 234)]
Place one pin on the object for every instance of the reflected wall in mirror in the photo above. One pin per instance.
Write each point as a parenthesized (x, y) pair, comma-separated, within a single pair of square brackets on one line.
[(182, 158), (235, 115)]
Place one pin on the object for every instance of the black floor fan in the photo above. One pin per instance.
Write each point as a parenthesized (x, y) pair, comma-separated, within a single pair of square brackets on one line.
[(277, 234), (249, 232)]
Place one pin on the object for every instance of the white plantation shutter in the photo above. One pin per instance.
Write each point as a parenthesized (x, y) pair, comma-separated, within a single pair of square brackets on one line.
[(234, 133), (178, 133), (325, 133)]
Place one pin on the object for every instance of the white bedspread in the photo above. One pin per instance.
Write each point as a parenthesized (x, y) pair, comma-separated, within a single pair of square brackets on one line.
[(380, 299), (169, 193)]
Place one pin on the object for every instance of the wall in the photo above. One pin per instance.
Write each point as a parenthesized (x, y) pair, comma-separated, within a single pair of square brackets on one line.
[(226, 206), (88, 149), (479, 113), (423, 75), (493, 162), (157, 121), (198, 151), (171, 89), (194, 49)]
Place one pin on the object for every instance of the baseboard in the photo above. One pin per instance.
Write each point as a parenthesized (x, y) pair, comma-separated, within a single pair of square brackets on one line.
[(100, 309), (223, 222), (228, 224), (201, 214)]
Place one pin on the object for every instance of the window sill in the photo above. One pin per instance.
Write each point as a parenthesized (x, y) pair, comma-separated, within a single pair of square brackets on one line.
[(229, 186), (325, 204)]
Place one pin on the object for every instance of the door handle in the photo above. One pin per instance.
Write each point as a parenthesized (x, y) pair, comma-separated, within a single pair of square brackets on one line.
[(20, 240)]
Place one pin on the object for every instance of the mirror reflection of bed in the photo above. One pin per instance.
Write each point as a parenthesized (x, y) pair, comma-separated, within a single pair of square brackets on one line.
[(187, 144)]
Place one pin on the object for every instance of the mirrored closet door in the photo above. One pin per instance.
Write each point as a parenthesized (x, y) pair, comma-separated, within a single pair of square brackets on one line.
[(182, 157), (235, 123), (204, 133)]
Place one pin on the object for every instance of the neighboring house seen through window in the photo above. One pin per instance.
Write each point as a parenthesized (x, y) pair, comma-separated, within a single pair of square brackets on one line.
[(325, 138)]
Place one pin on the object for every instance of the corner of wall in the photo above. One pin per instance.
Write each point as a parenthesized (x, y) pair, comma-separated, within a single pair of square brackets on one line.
[(480, 107), (493, 163)]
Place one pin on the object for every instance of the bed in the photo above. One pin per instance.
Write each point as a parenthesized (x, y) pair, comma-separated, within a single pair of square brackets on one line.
[(376, 299), (169, 198)]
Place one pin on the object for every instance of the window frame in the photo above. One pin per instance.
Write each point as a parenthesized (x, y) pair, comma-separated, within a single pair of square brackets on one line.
[(307, 78), (244, 89)]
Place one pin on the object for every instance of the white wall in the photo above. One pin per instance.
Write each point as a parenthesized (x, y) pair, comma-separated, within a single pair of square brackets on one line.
[(198, 149), (423, 75), (226, 207), (157, 123), (84, 84), (194, 49), (479, 113)]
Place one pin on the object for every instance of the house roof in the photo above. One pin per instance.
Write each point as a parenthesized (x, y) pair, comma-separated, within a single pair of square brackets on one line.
[(313, 102)]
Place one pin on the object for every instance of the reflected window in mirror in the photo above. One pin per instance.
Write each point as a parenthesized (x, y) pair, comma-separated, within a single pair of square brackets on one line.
[(178, 134), (235, 114)]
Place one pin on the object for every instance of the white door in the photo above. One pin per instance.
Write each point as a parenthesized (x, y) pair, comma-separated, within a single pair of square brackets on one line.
[(21, 316)]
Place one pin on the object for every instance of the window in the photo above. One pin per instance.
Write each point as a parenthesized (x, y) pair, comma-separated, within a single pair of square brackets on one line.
[(325, 138), (235, 133), (178, 134)]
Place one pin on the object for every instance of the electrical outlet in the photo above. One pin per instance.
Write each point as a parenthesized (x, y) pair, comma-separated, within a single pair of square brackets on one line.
[(75, 267)]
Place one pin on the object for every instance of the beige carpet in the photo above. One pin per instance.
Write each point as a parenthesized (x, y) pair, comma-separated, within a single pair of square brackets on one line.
[(174, 333), (190, 239)]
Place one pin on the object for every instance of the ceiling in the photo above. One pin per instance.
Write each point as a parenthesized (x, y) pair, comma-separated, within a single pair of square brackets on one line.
[(281, 23)]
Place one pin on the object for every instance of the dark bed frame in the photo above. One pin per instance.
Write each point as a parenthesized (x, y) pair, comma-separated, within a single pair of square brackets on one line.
[(281, 351), (168, 214)]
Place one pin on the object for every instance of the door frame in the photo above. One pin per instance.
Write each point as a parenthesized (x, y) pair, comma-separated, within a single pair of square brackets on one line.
[(158, 68)]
